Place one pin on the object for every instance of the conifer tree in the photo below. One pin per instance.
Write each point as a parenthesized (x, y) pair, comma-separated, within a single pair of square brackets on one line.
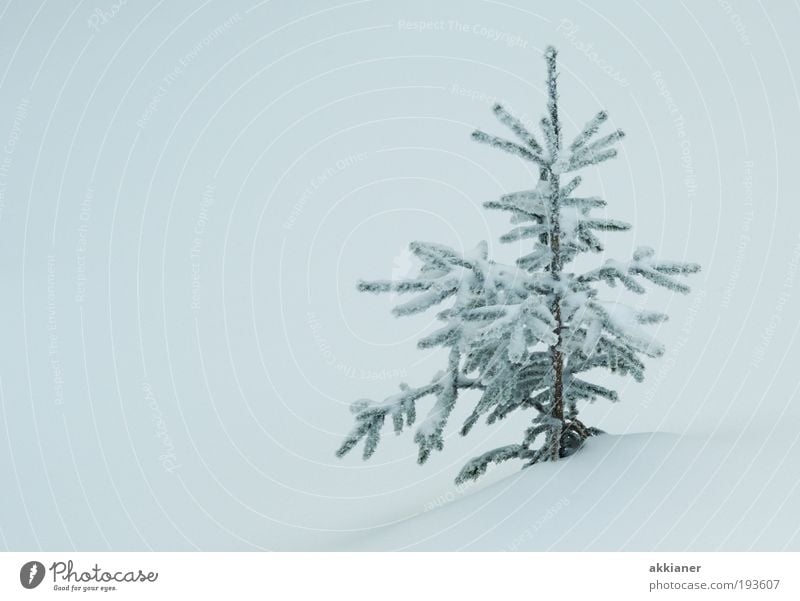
[(525, 335)]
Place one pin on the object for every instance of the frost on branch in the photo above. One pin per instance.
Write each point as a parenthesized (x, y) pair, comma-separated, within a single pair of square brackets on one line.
[(477, 467), (525, 336)]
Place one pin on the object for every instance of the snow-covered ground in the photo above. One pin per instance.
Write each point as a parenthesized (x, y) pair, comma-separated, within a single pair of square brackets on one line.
[(631, 492)]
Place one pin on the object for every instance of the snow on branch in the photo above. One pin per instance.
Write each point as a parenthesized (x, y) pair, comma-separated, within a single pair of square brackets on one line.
[(589, 130), (551, 124), (611, 271), (584, 159), (525, 231), (401, 408), (509, 147), (658, 271), (476, 467), (532, 203), (422, 302), (565, 191), (581, 389), (624, 323), (370, 417), (609, 225), (591, 202), (429, 434), (603, 142), (644, 265), (518, 128), (540, 257)]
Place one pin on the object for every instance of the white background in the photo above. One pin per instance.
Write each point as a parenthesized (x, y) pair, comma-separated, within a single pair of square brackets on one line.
[(624, 576)]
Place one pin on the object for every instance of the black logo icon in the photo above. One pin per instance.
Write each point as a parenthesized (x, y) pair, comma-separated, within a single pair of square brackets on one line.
[(31, 574)]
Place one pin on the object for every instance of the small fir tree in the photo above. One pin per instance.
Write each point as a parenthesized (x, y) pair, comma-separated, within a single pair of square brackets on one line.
[(525, 335)]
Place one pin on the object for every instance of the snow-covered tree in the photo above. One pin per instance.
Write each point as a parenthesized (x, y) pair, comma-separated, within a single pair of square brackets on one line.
[(525, 335)]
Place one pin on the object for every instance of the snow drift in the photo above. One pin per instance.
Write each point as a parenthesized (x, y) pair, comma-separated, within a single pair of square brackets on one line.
[(636, 492)]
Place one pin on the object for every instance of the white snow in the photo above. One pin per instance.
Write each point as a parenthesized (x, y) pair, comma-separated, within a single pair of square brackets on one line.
[(625, 321), (633, 492)]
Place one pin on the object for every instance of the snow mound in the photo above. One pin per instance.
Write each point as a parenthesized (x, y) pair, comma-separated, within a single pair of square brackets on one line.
[(636, 492)]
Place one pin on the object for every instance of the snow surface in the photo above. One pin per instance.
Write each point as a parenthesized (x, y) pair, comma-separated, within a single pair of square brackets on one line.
[(628, 492)]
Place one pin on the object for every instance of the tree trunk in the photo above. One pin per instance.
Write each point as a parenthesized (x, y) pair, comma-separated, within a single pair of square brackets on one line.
[(557, 406), (557, 357)]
